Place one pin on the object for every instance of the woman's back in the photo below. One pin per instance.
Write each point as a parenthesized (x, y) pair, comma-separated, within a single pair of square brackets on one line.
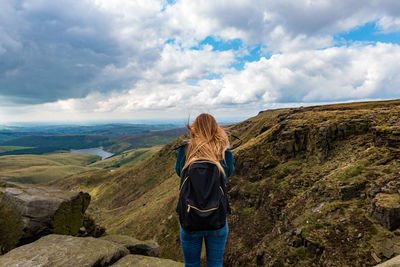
[(208, 142)]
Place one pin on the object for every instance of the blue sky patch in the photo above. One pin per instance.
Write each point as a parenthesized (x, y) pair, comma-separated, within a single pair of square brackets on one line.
[(254, 52), (166, 3), (219, 45), (191, 82), (369, 32), (214, 76), (170, 41)]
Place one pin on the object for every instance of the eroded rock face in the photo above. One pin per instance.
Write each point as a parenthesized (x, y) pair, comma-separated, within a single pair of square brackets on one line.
[(387, 136), (139, 260), (62, 250), (37, 211), (148, 248), (387, 210)]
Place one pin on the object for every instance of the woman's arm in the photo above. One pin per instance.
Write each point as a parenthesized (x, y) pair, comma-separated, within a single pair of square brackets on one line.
[(229, 163), (180, 160)]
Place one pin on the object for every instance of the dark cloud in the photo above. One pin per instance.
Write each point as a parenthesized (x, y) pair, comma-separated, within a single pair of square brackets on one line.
[(52, 50), (56, 49)]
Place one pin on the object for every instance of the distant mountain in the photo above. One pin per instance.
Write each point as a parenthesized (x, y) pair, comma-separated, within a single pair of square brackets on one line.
[(104, 129), (113, 129), (45, 143), (315, 186)]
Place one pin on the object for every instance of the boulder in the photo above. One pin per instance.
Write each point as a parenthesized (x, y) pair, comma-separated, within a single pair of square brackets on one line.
[(352, 190), (145, 261), (35, 211), (62, 250), (394, 262), (147, 248), (387, 210)]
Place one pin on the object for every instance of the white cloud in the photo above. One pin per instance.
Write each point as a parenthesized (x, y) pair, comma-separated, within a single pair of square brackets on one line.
[(312, 76), (389, 24), (333, 74), (104, 56), (292, 25)]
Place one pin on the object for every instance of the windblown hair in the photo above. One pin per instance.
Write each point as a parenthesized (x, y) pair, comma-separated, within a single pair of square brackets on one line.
[(208, 141)]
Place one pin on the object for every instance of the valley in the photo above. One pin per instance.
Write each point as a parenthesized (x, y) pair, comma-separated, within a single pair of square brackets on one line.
[(312, 186), (54, 152)]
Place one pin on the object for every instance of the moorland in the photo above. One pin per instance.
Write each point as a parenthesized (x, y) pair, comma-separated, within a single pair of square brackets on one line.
[(313, 186)]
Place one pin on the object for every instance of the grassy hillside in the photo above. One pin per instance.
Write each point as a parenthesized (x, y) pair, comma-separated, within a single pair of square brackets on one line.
[(315, 186), (43, 168)]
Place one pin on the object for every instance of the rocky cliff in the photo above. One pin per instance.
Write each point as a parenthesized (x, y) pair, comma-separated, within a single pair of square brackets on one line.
[(315, 186), (30, 212)]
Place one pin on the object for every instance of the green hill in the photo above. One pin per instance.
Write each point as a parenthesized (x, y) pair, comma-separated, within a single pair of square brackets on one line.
[(43, 168), (315, 186)]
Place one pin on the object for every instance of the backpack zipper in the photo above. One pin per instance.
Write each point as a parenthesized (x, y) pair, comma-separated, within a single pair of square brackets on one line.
[(190, 206)]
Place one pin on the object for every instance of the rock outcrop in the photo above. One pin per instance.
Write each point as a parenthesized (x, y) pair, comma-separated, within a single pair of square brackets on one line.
[(388, 135), (387, 210), (394, 262), (147, 248), (29, 212), (63, 250), (144, 261)]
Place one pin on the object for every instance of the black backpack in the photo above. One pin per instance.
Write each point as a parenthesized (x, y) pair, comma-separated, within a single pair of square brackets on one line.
[(203, 203)]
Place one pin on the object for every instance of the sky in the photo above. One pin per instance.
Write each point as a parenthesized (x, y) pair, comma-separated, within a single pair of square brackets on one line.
[(102, 60)]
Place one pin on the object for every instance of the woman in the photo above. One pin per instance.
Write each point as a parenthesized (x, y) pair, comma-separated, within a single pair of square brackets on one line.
[(208, 141)]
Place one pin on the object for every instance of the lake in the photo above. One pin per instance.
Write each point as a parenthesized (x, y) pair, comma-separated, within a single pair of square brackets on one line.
[(96, 151)]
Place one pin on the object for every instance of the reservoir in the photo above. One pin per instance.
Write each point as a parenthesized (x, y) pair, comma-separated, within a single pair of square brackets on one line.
[(97, 151)]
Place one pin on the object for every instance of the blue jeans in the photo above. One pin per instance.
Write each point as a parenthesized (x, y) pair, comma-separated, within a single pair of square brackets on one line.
[(192, 242)]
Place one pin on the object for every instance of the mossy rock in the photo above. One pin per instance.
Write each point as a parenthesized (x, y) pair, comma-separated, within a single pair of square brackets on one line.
[(69, 215), (29, 212), (10, 228), (387, 210)]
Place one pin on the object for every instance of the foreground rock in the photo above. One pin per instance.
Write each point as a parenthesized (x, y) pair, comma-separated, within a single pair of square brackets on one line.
[(144, 261), (395, 262), (29, 212), (62, 250), (147, 248)]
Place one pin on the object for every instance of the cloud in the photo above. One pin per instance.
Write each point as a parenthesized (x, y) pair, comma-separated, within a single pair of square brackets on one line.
[(333, 74), (124, 56), (306, 77), (66, 49), (389, 24), (267, 22)]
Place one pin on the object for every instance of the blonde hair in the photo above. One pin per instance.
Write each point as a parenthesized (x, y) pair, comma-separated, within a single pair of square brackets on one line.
[(208, 141)]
